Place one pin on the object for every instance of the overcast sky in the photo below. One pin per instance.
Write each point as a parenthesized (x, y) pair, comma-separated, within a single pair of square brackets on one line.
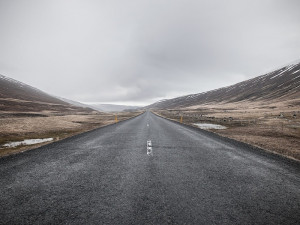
[(140, 51)]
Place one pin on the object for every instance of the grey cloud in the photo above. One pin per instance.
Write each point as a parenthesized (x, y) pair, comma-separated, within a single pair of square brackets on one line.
[(140, 51)]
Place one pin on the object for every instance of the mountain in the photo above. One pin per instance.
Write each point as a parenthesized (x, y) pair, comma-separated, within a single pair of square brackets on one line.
[(19, 97), (279, 85), (79, 104), (113, 108)]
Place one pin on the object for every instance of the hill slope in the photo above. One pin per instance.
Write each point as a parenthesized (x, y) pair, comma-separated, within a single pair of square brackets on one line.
[(279, 85), (19, 97)]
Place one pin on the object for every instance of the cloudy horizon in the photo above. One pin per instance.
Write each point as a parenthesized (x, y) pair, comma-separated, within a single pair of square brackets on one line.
[(140, 51)]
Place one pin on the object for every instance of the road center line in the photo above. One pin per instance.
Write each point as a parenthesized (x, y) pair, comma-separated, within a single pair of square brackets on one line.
[(149, 148)]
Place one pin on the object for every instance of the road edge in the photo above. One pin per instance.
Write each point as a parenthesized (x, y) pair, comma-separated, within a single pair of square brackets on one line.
[(261, 151), (64, 139)]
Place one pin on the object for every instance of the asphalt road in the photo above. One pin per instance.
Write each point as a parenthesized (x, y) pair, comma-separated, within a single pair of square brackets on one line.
[(106, 177)]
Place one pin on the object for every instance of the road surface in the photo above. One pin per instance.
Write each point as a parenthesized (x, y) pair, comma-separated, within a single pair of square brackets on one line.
[(106, 177)]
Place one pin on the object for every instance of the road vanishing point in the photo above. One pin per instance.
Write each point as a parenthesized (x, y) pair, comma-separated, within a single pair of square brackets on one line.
[(105, 176)]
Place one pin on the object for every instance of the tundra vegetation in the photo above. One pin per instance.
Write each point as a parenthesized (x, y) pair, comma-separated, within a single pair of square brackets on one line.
[(15, 126)]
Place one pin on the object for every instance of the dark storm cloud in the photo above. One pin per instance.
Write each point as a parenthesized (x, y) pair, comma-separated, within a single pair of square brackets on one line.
[(141, 51)]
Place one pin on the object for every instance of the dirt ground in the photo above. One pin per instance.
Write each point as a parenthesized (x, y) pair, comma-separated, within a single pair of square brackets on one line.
[(20, 126), (272, 126)]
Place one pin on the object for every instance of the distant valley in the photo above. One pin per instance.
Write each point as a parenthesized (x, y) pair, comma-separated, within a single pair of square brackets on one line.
[(113, 108), (263, 111)]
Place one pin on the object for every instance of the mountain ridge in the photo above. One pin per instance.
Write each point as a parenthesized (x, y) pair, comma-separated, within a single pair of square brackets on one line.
[(277, 85), (20, 97)]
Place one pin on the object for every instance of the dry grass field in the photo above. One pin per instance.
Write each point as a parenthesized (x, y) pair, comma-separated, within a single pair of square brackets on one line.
[(16, 126), (272, 126)]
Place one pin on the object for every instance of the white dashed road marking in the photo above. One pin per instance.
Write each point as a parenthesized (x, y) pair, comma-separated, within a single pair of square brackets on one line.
[(149, 148)]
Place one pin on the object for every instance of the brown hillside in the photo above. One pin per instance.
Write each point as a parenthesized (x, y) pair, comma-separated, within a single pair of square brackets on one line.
[(279, 85), (16, 96)]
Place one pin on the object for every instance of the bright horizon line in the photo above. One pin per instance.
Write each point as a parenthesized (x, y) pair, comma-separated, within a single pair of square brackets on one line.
[(117, 103)]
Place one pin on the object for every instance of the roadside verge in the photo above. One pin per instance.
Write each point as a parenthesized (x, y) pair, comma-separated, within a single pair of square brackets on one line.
[(234, 142), (62, 134)]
